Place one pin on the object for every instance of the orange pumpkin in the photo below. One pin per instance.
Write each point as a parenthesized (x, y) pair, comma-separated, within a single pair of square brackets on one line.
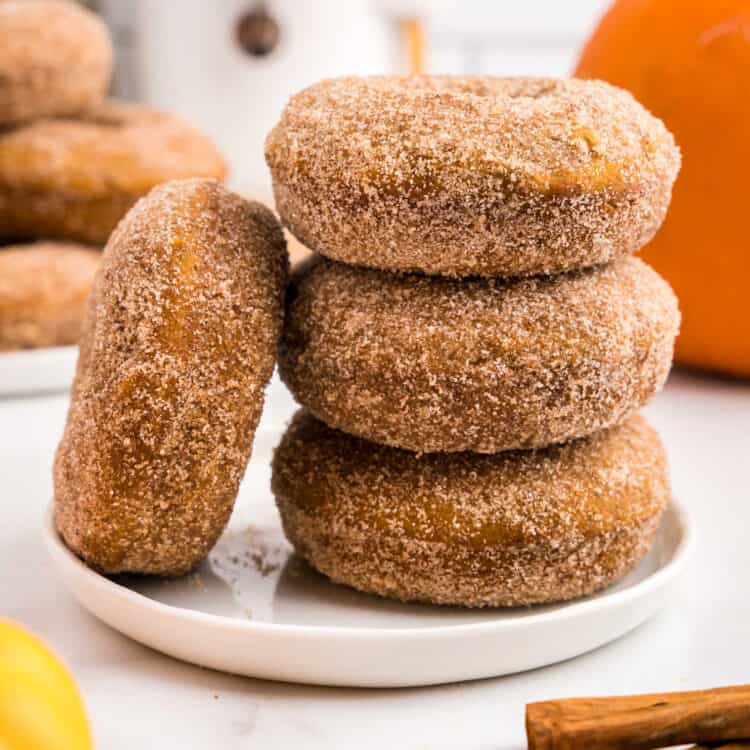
[(688, 61)]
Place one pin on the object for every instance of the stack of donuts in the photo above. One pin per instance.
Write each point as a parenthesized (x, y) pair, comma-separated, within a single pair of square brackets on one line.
[(71, 165), (472, 340)]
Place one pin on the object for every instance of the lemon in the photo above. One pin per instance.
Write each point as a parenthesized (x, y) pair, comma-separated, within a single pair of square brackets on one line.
[(40, 706)]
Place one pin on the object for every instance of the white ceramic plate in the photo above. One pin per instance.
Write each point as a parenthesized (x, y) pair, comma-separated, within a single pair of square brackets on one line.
[(37, 370), (254, 609)]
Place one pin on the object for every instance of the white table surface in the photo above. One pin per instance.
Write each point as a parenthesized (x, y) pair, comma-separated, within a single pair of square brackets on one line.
[(138, 698)]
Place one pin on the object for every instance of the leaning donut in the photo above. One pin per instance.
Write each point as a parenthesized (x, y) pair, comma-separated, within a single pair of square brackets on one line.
[(178, 344)]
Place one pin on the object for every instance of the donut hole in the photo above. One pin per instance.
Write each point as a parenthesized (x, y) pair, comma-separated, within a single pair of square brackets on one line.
[(520, 88)]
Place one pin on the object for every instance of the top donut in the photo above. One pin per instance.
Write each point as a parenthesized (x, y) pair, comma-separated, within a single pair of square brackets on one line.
[(55, 59), (463, 176)]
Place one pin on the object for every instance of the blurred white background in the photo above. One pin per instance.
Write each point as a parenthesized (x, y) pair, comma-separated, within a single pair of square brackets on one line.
[(501, 37), (185, 56)]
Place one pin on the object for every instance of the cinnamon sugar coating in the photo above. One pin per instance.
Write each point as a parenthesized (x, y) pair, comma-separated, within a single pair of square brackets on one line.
[(43, 291), (55, 59), (509, 529), (436, 364), (476, 175), (178, 345), (75, 178)]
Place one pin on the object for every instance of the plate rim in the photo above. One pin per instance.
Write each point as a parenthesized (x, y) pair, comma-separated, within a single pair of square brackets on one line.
[(44, 371), (39, 352), (62, 556)]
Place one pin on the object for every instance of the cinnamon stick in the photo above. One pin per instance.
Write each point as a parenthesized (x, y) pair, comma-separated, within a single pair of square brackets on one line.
[(639, 722)]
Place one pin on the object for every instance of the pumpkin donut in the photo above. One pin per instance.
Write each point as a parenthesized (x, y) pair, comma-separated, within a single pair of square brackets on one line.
[(55, 59), (75, 178), (43, 291), (465, 176), (438, 364), (177, 347), (522, 527)]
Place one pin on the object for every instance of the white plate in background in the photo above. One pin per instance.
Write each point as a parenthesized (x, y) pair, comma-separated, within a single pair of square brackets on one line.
[(37, 370), (254, 609)]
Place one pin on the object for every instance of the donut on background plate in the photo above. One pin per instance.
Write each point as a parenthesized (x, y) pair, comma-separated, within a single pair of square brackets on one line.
[(43, 291), (55, 59), (75, 178)]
